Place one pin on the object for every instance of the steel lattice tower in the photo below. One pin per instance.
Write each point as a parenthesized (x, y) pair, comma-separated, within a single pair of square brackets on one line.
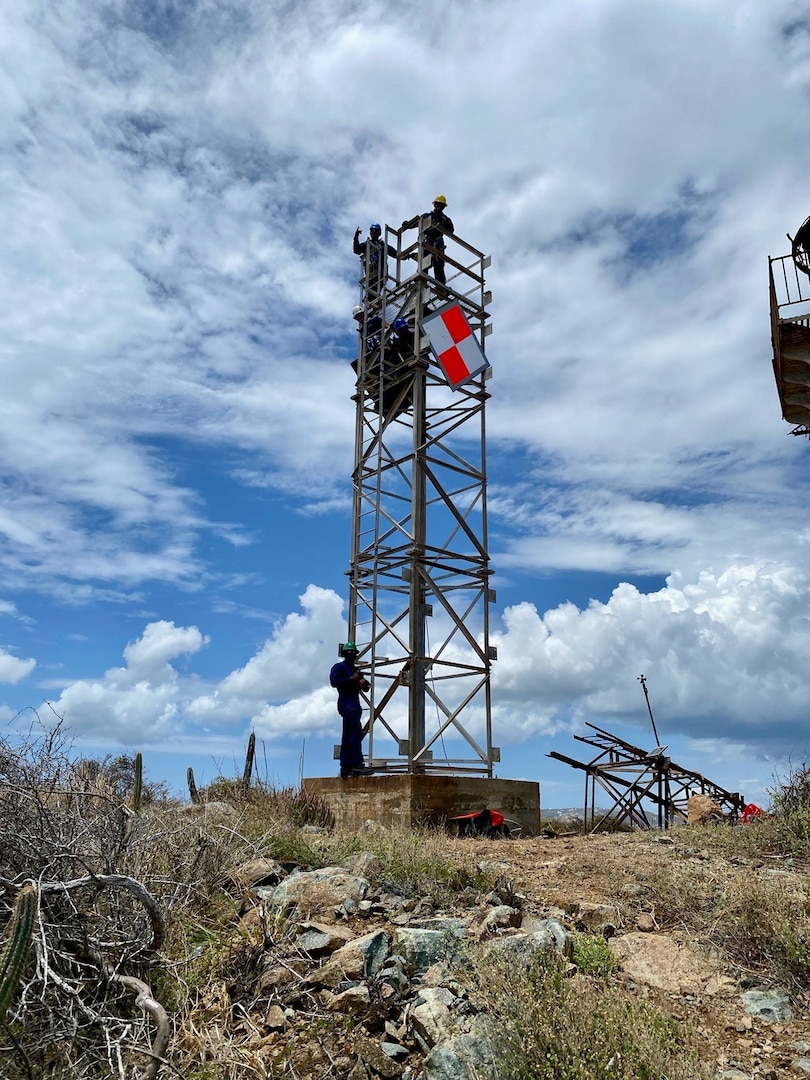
[(419, 591)]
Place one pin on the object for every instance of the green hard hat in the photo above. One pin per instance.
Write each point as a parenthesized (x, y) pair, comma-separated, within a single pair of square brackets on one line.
[(350, 647)]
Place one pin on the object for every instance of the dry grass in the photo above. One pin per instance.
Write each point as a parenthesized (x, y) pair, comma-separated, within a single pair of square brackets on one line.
[(550, 1027)]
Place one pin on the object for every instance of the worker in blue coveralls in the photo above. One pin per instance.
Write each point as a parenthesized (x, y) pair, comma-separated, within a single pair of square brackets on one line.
[(348, 682), (374, 257)]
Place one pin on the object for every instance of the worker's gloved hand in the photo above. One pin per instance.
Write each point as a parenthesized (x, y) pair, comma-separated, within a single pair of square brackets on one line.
[(356, 232)]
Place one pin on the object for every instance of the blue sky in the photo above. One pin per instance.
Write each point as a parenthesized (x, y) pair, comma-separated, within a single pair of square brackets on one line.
[(181, 185)]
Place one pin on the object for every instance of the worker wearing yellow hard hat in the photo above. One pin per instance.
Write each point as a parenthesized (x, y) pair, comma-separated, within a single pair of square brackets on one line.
[(436, 226)]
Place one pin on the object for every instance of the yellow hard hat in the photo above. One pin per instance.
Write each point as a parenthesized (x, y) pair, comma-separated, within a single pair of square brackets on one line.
[(441, 199)]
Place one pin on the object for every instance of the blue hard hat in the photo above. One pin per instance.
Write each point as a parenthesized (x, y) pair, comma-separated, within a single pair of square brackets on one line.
[(400, 324), (375, 225)]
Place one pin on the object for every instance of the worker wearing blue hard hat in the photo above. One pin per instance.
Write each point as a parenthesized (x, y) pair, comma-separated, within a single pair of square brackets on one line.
[(373, 257)]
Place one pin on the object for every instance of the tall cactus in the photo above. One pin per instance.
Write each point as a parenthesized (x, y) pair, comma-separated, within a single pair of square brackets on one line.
[(138, 789), (249, 756), (20, 928), (194, 795)]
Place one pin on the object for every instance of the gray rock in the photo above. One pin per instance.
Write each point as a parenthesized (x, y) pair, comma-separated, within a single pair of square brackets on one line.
[(394, 1050), (802, 1065), (422, 948), (393, 974), (314, 942), (314, 891), (318, 938), (431, 1019), (466, 1056), (770, 1006), (361, 958), (374, 948), (536, 935)]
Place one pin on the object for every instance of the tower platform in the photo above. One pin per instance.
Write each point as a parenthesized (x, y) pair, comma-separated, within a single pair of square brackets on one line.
[(790, 336), (401, 800)]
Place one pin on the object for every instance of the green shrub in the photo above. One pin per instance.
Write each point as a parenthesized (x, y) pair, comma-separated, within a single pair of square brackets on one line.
[(593, 955)]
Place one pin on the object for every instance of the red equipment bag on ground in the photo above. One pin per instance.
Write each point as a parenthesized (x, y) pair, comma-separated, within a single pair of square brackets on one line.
[(489, 823), (750, 813)]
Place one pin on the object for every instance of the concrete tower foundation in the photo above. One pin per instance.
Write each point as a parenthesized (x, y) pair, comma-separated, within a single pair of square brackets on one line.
[(402, 800)]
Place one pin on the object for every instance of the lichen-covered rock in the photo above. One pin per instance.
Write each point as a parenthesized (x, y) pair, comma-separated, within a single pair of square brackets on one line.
[(422, 948), (772, 1006), (469, 1055)]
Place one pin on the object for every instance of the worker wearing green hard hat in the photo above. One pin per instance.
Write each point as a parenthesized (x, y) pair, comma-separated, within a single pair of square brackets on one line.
[(349, 682)]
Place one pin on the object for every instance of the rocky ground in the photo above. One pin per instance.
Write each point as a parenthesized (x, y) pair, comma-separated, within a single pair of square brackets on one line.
[(341, 977), (624, 885)]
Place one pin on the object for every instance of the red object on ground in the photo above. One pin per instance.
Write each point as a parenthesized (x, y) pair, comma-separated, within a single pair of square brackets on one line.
[(750, 812), (495, 818)]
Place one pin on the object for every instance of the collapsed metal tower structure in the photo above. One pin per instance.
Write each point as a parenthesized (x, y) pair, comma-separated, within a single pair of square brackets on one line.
[(789, 281), (632, 777), (419, 592)]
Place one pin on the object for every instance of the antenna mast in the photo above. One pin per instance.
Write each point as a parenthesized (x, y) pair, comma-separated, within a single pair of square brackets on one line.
[(643, 682)]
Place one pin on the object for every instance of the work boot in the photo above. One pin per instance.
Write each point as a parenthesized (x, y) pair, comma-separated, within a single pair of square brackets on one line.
[(362, 770)]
